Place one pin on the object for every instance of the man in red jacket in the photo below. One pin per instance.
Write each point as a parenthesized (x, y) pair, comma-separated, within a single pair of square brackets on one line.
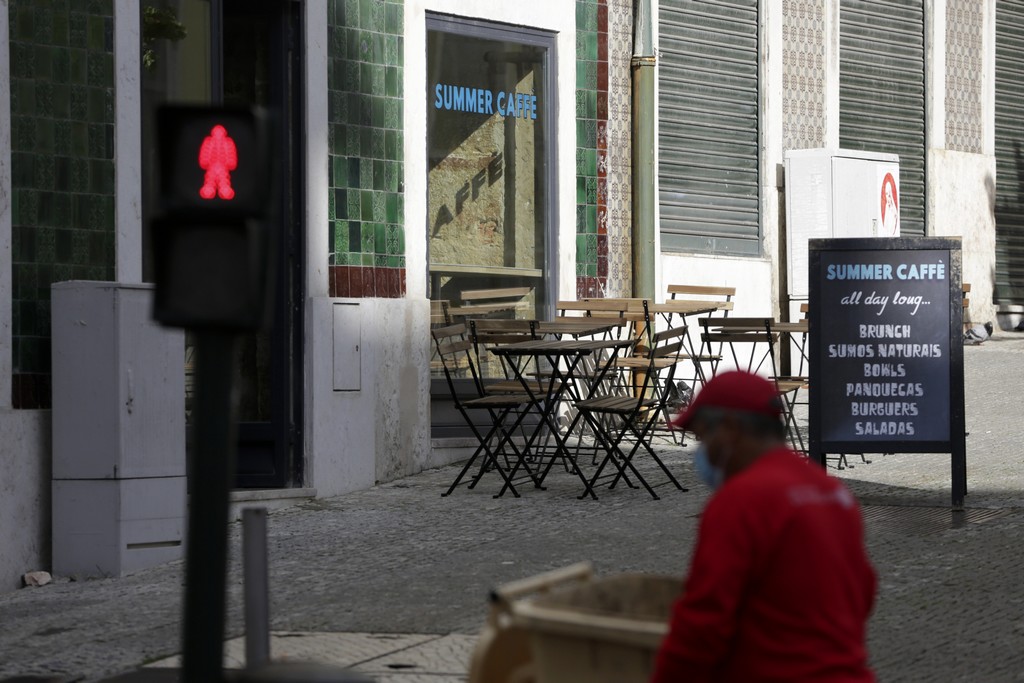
[(780, 587)]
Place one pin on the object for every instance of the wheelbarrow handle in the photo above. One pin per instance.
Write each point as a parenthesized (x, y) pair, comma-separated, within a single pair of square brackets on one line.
[(581, 571)]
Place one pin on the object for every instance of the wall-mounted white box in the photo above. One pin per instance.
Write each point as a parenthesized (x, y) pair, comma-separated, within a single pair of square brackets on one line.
[(837, 193)]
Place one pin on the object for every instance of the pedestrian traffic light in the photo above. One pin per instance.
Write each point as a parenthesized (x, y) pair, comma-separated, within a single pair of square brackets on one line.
[(212, 241), (214, 160)]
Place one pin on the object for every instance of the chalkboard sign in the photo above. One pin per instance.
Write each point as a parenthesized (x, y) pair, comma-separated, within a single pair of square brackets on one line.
[(886, 356)]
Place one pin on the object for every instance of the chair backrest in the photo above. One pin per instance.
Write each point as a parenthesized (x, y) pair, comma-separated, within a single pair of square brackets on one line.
[(456, 354), (702, 294), (439, 312), (592, 308), (488, 333), (481, 302), (733, 331)]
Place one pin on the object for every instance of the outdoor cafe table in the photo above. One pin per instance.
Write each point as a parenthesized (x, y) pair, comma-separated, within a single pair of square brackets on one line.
[(578, 327), (564, 357)]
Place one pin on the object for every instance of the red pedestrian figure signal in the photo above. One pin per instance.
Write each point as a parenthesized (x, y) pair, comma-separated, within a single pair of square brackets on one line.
[(218, 156)]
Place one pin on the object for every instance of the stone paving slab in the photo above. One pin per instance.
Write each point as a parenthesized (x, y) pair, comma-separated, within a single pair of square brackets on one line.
[(385, 657), (398, 558)]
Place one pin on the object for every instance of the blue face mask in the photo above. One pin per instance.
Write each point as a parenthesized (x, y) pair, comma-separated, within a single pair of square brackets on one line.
[(708, 473)]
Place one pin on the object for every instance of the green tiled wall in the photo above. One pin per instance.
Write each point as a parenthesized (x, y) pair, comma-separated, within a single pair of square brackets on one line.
[(62, 164), (367, 201), (591, 147)]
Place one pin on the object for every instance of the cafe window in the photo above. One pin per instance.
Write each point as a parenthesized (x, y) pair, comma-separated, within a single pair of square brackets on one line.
[(490, 146)]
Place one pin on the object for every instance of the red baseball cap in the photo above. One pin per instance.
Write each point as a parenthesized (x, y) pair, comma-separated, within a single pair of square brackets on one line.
[(737, 391)]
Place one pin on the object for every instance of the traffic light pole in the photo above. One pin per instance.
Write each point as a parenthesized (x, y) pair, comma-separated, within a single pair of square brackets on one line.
[(212, 467)]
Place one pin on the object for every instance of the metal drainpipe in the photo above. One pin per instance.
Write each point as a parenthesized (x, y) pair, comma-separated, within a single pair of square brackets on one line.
[(642, 124)]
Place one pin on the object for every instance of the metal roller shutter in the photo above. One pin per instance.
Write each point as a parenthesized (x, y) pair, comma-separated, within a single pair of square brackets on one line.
[(708, 118), (1009, 151), (881, 92)]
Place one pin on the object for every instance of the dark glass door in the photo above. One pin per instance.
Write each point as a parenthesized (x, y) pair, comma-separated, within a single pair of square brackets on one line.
[(261, 66), (242, 52)]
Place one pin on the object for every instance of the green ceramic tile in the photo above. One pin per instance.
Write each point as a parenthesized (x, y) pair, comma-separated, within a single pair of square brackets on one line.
[(591, 270), (355, 237), (590, 162), (392, 237), (581, 219), (379, 175), (591, 190), (61, 65), (352, 137), (43, 25), (391, 18), (44, 97), (59, 28), (332, 206), (391, 81), (581, 104), (392, 55), (377, 18), (352, 12), (581, 248), (60, 101), (44, 173), (367, 259), (340, 235), (353, 46), (77, 66), (366, 207), (366, 142), (393, 261), (79, 180), (390, 144), (350, 82), (392, 113), (354, 206), (592, 225), (369, 238), (392, 172), (340, 166), (354, 171), (581, 190), (342, 258), (44, 135), (101, 176), (581, 76), (100, 69), (379, 245), (43, 62), (366, 173)]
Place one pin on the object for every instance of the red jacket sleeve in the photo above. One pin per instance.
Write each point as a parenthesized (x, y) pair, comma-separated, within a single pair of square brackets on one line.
[(704, 618)]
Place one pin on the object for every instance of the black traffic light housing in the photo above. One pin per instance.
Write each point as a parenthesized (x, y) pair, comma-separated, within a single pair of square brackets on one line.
[(213, 237)]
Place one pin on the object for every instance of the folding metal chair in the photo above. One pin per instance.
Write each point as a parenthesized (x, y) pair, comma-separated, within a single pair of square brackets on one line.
[(631, 414), (456, 355)]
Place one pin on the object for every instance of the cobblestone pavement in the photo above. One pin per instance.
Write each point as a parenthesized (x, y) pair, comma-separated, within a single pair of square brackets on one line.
[(399, 559)]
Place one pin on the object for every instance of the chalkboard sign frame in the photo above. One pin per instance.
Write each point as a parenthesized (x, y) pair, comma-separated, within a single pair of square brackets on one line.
[(821, 313)]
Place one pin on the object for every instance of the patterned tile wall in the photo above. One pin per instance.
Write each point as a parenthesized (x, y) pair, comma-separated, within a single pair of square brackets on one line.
[(62, 164), (618, 204), (964, 32), (591, 148), (803, 74), (367, 201)]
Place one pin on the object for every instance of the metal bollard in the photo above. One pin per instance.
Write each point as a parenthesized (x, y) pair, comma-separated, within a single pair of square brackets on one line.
[(257, 587)]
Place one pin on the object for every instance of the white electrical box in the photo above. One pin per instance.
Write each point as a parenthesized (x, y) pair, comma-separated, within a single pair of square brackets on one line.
[(118, 431), (837, 193)]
